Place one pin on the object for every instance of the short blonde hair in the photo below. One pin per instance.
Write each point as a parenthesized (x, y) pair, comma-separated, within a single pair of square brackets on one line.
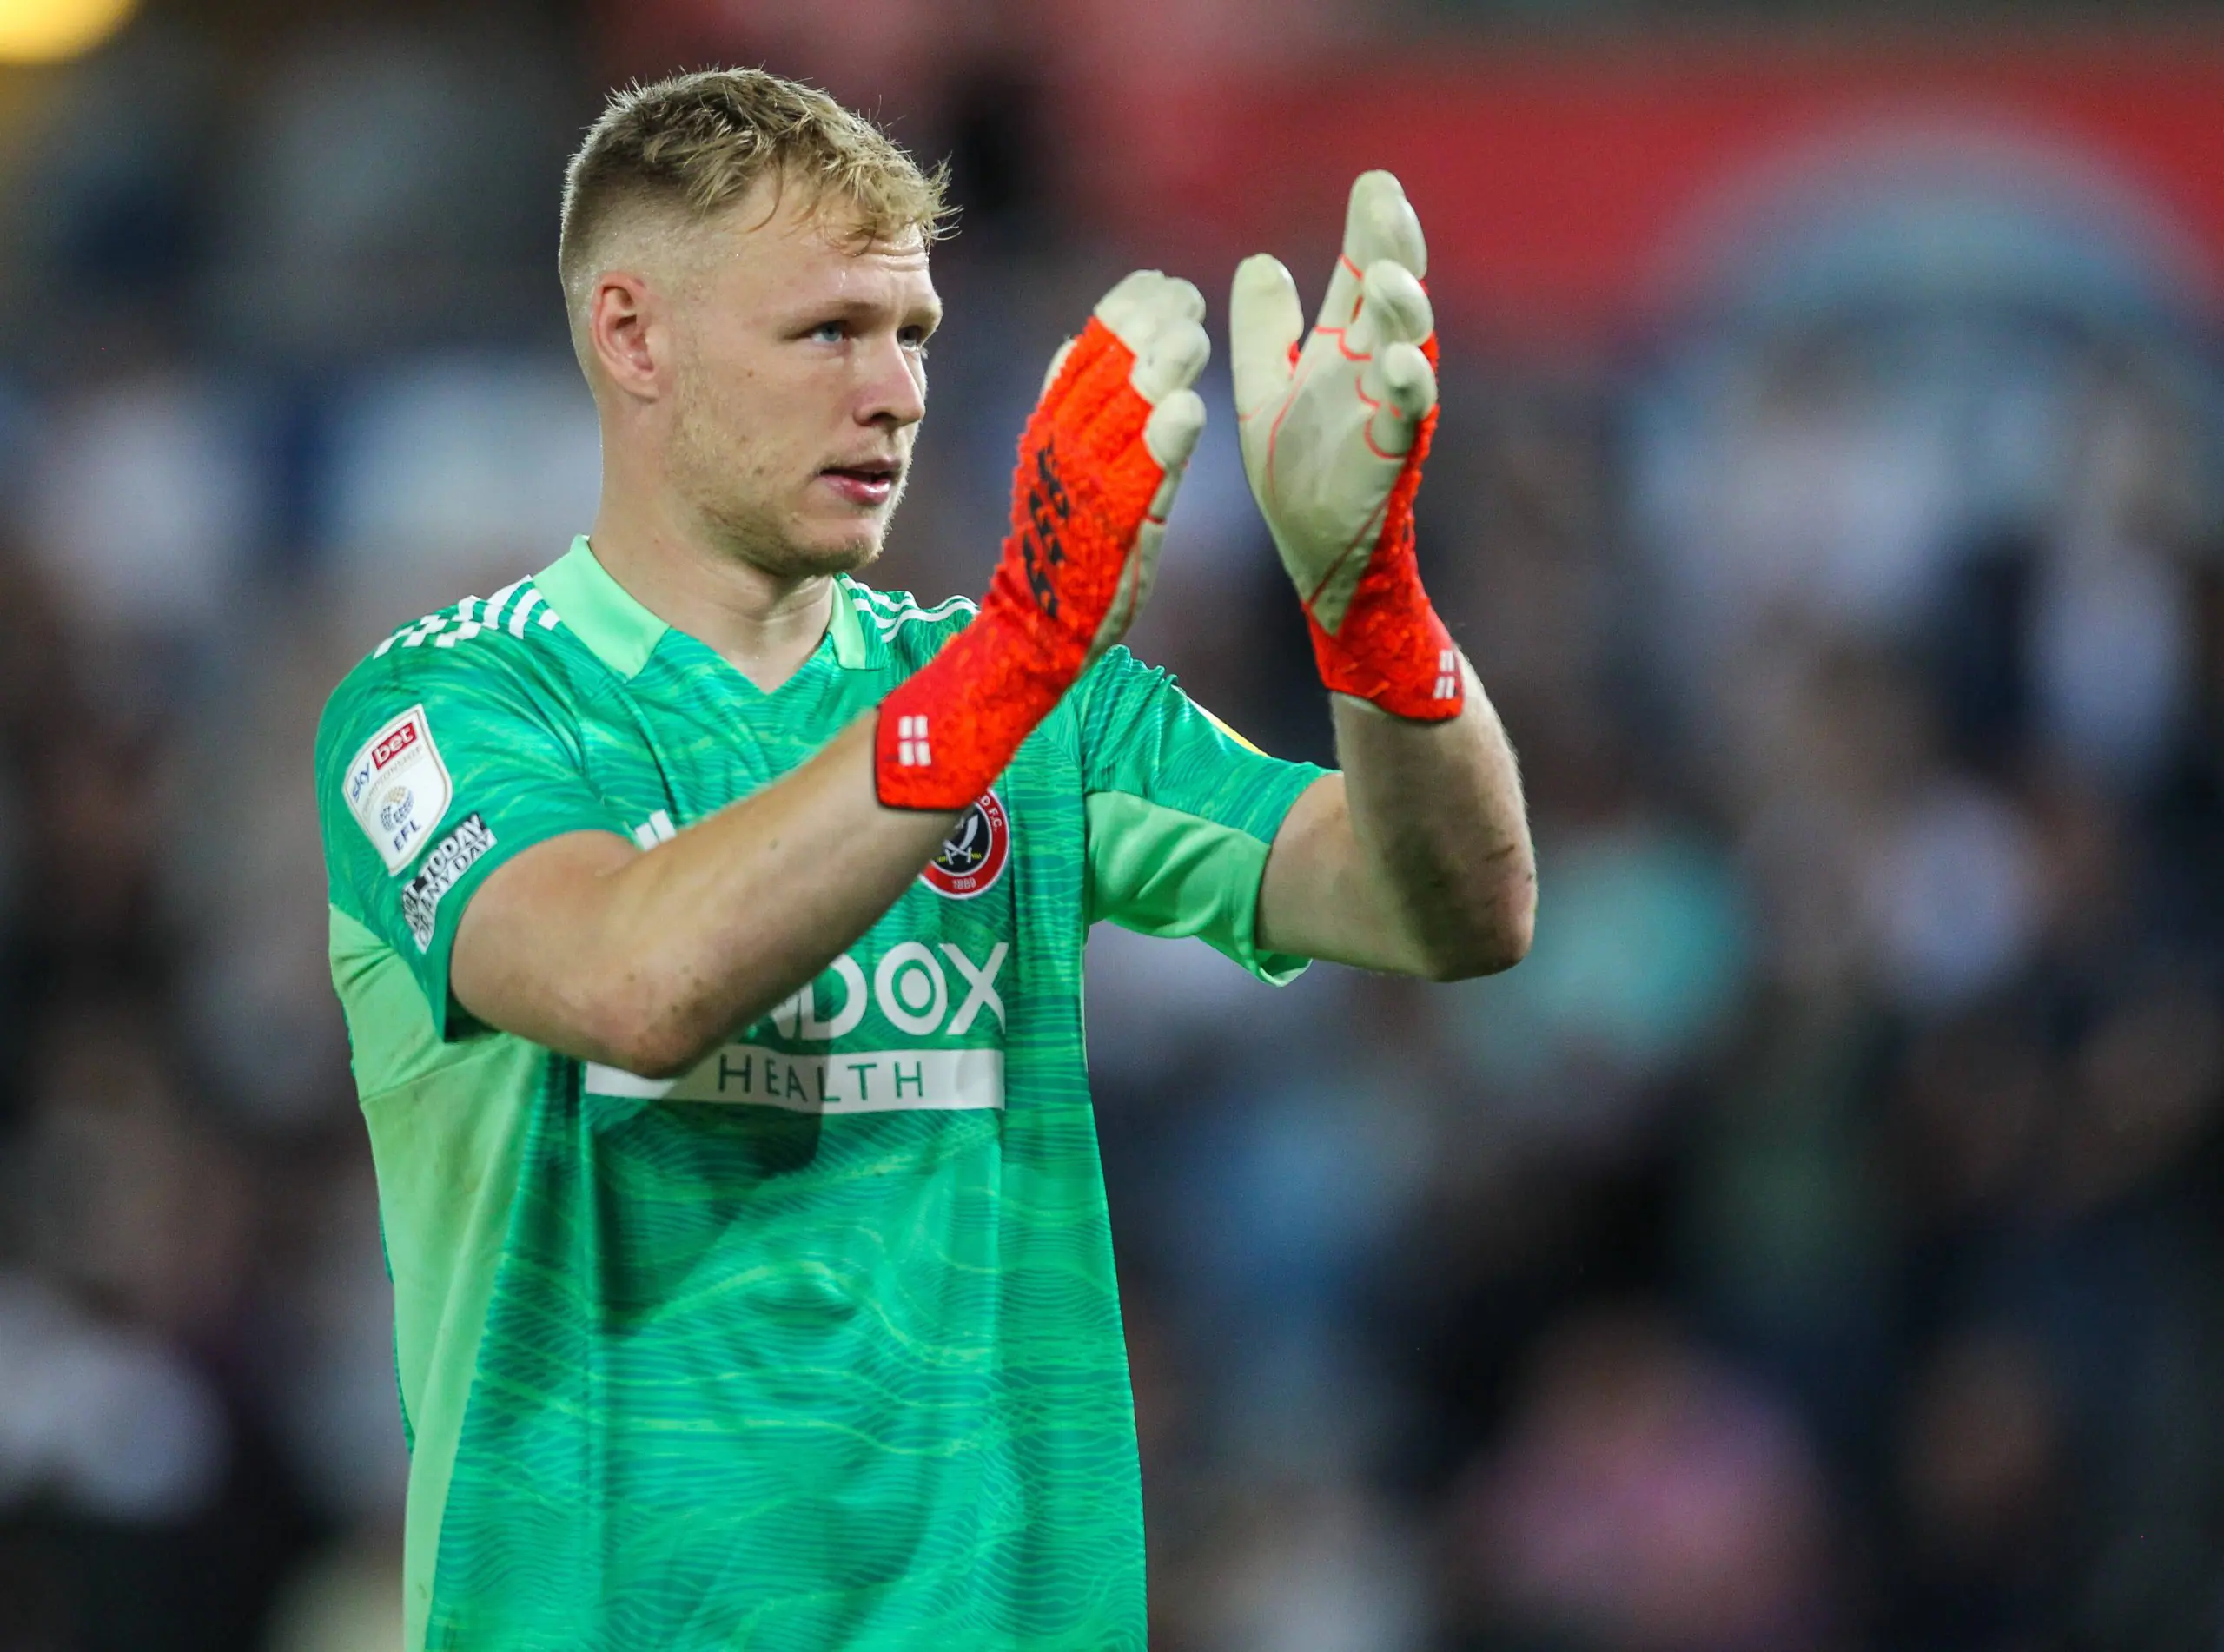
[(691, 146)]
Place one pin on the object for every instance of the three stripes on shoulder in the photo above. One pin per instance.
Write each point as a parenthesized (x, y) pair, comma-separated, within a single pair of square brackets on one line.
[(890, 614), (517, 605), (511, 609)]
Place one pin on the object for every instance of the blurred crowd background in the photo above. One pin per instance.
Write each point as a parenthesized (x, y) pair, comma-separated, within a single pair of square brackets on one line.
[(1818, 1244)]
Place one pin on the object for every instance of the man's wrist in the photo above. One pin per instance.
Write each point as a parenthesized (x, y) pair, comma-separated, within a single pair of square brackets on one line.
[(1390, 647)]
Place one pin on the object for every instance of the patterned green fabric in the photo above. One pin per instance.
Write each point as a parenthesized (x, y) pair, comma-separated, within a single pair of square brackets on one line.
[(817, 1347)]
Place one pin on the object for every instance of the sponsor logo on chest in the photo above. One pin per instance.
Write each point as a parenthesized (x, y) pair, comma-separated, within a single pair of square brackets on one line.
[(942, 991), (921, 988)]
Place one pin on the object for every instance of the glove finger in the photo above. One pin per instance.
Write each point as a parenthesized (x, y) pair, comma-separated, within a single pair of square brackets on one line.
[(1176, 355), (1378, 223), (1132, 314), (1409, 391), (1171, 433), (1382, 223), (1393, 307), (1144, 304), (1265, 321)]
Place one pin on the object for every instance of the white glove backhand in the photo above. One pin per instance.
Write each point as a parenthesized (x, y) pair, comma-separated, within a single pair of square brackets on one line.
[(1325, 434)]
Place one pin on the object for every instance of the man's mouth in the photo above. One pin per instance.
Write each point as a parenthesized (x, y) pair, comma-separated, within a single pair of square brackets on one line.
[(869, 484)]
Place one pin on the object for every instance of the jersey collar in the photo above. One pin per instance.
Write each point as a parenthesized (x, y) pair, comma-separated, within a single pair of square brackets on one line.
[(622, 633)]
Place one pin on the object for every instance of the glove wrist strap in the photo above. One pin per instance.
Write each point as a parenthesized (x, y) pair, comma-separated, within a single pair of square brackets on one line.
[(1391, 649)]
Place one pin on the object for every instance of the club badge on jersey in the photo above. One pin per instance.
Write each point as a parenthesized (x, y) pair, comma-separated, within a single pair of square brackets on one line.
[(972, 857)]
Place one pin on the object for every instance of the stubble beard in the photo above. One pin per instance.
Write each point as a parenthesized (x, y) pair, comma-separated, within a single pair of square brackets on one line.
[(735, 496)]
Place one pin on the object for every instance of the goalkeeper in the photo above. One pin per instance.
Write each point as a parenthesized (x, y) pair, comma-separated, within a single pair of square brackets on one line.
[(709, 924)]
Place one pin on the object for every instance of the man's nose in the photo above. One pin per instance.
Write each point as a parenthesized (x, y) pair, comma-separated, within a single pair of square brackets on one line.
[(895, 388)]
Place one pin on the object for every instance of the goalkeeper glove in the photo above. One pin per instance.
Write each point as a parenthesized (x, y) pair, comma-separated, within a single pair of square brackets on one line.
[(1333, 434), (1098, 465)]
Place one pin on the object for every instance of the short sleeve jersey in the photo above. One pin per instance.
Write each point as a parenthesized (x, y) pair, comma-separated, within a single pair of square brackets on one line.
[(817, 1345)]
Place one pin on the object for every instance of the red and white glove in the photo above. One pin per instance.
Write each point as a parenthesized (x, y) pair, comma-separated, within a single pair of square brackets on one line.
[(1098, 467), (1334, 435)]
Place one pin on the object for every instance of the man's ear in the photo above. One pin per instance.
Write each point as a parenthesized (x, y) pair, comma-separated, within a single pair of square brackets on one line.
[(627, 333)]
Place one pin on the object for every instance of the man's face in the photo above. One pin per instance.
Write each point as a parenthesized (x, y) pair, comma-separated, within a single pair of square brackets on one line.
[(799, 382)]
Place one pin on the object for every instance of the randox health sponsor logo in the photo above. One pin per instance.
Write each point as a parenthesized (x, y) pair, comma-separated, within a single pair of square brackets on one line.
[(910, 990)]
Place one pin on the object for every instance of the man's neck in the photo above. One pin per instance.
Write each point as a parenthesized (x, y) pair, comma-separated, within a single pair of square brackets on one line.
[(763, 625)]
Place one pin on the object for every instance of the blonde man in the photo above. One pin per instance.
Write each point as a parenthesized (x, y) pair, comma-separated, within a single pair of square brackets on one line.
[(709, 924)]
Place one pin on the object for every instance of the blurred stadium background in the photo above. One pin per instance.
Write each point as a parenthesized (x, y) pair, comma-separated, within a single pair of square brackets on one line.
[(1815, 1245)]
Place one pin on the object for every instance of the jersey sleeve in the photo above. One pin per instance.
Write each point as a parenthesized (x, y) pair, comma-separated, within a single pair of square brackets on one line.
[(433, 769), (1182, 811)]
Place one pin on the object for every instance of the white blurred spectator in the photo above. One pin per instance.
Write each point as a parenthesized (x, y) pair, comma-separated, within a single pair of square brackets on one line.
[(451, 470), (147, 503), (105, 1419), (1953, 897), (2113, 636), (2112, 650), (1834, 498), (1320, 1568)]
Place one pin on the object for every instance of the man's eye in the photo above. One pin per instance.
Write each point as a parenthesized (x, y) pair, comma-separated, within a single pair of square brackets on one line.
[(829, 333)]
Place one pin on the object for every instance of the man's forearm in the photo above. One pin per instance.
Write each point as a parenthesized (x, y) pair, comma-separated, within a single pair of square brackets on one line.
[(1416, 858), (1437, 809), (664, 953)]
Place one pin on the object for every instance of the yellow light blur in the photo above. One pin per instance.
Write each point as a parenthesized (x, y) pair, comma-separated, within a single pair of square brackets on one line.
[(48, 31)]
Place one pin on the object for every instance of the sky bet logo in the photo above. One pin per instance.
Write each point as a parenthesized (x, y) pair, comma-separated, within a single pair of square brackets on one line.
[(394, 745), (397, 788)]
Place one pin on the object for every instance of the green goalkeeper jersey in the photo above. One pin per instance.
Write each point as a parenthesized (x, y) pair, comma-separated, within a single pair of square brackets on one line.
[(817, 1345)]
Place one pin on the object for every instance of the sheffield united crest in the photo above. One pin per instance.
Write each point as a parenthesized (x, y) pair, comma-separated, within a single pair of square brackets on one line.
[(972, 857)]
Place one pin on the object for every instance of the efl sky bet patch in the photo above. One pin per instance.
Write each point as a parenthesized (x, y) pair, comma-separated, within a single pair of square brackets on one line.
[(398, 788)]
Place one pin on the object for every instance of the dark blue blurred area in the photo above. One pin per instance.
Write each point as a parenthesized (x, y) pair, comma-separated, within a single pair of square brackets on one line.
[(1817, 1244)]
